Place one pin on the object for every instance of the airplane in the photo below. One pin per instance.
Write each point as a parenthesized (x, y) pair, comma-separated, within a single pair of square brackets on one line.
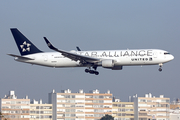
[(110, 59)]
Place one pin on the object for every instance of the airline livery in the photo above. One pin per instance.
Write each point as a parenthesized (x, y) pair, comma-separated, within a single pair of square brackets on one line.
[(110, 59)]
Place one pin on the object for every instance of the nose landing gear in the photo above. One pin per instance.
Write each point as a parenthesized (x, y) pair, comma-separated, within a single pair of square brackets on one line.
[(160, 67), (92, 71)]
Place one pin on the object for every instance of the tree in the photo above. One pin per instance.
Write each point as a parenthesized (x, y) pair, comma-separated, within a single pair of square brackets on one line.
[(1, 116), (107, 117)]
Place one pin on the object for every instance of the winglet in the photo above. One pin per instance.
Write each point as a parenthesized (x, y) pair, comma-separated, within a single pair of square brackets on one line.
[(49, 44), (78, 48)]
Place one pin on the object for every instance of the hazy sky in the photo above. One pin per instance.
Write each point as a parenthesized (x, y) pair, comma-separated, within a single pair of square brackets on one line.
[(91, 25)]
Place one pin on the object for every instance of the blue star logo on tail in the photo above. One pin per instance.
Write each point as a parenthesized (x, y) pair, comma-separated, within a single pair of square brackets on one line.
[(25, 46)]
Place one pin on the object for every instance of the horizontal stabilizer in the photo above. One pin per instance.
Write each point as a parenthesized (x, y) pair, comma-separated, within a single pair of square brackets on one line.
[(25, 58)]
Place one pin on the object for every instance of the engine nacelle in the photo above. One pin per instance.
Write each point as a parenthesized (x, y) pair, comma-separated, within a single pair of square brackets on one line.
[(117, 68), (108, 63)]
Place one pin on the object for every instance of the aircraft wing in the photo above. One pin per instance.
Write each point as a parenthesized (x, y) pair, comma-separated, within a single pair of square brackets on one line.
[(73, 56), (25, 58)]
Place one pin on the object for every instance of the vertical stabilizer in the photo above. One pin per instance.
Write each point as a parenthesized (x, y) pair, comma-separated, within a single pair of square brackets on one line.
[(24, 45)]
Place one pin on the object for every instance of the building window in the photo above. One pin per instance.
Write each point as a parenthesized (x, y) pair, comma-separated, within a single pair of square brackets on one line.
[(119, 105)]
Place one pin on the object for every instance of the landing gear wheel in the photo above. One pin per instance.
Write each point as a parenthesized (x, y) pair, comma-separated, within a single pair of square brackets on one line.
[(92, 71), (160, 69), (96, 72), (87, 70)]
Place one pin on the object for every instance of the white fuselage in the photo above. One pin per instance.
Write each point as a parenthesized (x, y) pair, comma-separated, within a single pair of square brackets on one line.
[(121, 57)]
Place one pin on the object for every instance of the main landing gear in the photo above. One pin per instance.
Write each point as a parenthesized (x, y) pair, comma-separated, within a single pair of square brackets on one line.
[(92, 71), (160, 67)]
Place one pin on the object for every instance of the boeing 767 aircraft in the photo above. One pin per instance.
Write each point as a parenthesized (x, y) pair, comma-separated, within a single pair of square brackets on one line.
[(110, 59)]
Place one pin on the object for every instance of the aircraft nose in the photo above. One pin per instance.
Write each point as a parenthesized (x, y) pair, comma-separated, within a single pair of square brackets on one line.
[(171, 57)]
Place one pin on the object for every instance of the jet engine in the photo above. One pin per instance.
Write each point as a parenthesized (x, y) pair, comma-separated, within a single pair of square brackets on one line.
[(108, 63)]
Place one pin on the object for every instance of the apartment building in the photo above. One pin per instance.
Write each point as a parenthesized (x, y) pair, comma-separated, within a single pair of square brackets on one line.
[(80, 105), (151, 107), (175, 104), (174, 114), (38, 110), (123, 110), (93, 105), (175, 110), (13, 108)]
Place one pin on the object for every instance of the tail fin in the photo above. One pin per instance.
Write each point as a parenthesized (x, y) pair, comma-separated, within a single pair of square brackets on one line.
[(24, 45)]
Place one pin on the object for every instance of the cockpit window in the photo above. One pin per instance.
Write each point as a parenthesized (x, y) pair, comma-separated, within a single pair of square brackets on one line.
[(166, 53)]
